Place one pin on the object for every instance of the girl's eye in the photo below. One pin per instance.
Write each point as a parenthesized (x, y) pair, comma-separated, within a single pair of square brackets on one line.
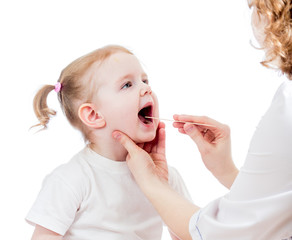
[(146, 81), (127, 85)]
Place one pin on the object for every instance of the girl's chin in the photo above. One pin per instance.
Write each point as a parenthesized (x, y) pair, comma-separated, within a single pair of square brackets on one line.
[(144, 139)]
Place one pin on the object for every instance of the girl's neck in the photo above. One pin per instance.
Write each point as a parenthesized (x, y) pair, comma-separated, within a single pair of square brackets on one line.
[(110, 149)]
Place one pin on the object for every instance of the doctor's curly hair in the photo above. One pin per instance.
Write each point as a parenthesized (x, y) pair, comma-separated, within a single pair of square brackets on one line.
[(278, 40)]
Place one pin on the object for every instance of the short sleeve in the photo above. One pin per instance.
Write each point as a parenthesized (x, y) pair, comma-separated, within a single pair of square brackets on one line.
[(55, 206)]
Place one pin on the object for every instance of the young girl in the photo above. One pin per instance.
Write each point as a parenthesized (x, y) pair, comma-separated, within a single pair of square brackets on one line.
[(258, 206), (94, 196)]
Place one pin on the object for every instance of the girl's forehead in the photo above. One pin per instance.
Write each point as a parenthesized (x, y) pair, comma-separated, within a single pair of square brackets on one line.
[(122, 57), (123, 63), (116, 67)]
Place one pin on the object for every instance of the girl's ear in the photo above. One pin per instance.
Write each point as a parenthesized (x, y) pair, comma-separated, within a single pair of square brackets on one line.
[(90, 117)]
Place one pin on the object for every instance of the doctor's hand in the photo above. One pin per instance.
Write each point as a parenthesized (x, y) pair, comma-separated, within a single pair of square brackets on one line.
[(146, 161), (214, 144)]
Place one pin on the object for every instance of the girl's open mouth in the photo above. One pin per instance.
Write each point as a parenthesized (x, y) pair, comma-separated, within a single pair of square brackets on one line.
[(146, 111)]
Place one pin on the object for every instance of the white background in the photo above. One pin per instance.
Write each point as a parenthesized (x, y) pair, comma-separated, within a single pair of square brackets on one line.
[(199, 59)]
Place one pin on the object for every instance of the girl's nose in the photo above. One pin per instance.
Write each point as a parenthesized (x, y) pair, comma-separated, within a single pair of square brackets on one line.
[(146, 89)]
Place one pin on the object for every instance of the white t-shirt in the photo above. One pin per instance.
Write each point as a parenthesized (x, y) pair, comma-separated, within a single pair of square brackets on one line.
[(93, 197), (259, 204)]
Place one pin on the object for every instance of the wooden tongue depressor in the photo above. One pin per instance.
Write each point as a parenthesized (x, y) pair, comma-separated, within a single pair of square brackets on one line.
[(163, 119)]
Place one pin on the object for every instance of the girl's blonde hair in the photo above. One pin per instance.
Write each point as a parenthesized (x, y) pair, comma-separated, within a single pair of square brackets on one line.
[(73, 90), (278, 40)]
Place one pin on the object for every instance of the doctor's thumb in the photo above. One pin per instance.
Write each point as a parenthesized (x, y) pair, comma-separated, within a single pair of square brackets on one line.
[(128, 143)]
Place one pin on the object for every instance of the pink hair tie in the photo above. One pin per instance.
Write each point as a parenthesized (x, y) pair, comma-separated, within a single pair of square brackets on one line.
[(58, 87)]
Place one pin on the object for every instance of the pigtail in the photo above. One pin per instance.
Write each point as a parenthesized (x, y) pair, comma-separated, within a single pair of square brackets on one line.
[(40, 106)]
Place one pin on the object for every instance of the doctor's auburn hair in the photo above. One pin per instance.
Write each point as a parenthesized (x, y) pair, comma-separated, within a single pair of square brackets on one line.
[(278, 41), (75, 88)]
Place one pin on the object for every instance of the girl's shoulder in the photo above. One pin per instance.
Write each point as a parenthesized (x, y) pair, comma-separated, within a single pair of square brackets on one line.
[(73, 173)]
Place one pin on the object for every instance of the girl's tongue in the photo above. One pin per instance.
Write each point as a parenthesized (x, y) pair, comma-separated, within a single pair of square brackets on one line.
[(147, 111)]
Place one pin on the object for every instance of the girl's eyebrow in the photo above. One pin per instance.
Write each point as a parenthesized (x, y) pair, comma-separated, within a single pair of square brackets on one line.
[(124, 77), (143, 75), (120, 80)]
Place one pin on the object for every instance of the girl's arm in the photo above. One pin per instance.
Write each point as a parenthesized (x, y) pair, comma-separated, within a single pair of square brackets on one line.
[(41, 233)]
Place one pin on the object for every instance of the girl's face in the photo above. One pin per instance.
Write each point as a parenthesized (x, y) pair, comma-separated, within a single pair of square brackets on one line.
[(124, 97)]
